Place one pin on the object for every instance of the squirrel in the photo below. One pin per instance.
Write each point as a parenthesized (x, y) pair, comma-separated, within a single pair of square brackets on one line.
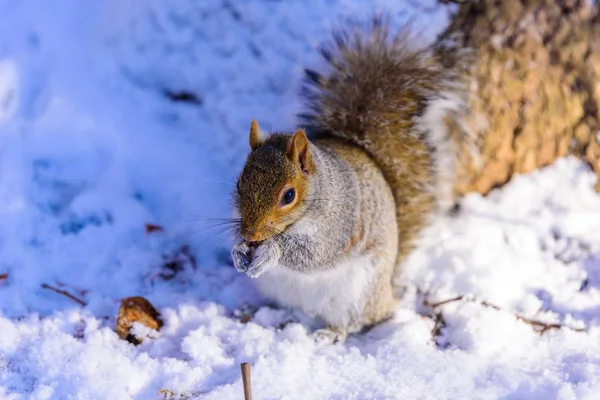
[(328, 213)]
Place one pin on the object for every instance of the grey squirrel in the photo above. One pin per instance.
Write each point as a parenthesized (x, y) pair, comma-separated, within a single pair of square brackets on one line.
[(327, 218)]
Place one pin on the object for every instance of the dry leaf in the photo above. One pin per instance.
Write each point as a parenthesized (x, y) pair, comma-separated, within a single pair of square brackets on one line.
[(136, 309)]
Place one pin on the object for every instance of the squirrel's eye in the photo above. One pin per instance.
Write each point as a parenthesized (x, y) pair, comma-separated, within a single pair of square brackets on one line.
[(288, 197)]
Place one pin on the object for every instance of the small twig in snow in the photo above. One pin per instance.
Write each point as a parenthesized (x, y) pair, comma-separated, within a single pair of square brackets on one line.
[(183, 96), (64, 293), (173, 395), (439, 324), (154, 228), (246, 381), (427, 303), (539, 326)]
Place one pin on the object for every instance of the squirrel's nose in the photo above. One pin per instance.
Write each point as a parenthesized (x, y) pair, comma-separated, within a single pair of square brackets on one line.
[(251, 236)]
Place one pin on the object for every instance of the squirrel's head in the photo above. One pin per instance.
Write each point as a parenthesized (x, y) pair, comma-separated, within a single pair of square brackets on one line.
[(274, 183)]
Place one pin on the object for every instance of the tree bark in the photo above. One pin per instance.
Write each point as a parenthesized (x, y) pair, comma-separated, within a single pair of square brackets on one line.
[(533, 73)]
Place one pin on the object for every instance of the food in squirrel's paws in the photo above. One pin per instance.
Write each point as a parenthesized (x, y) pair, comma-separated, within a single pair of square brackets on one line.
[(252, 246)]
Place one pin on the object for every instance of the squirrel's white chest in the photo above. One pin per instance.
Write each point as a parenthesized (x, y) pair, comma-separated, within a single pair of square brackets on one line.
[(337, 295)]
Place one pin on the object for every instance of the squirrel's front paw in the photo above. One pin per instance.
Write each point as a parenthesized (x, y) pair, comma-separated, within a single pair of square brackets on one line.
[(242, 256), (254, 261), (265, 258)]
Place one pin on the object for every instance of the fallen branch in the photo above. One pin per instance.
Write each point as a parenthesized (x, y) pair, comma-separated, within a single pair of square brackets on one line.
[(245, 367), (439, 324), (427, 303), (538, 326), (64, 293), (173, 395)]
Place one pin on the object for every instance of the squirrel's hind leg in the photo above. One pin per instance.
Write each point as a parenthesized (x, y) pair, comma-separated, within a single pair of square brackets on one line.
[(328, 336)]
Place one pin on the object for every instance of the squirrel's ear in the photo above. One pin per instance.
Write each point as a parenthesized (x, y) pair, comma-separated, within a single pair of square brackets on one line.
[(299, 152), (255, 136)]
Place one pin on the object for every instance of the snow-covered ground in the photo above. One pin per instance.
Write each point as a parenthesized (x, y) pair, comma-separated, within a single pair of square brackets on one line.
[(92, 149)]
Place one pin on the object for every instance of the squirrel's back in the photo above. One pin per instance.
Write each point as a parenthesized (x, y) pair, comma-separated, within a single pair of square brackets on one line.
[(392, 100)]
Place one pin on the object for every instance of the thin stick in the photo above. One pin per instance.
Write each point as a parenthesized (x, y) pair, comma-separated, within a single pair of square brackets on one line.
[(246, 381), (64, 293), (441, 303), (539, 327)]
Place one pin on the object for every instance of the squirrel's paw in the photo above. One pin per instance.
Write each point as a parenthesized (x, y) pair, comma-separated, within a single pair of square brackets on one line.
[(265, 258), (241, 255), (326, 336), (256, 260)]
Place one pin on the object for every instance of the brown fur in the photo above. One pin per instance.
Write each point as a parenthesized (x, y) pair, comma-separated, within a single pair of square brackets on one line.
[(255, 136), (266, 173), (376, 87), (366, 184)]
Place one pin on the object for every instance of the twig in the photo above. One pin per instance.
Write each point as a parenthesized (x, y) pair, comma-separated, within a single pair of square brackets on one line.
[(64, 293), (427, 303), (3, 276), (539, 326), (246, 381), (172, 394), (187, 97), (438, 317), (439, 324), (536, 324), (154, 228)]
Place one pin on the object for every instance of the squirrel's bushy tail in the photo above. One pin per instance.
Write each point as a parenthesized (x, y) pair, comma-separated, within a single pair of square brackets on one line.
[(392, 99)]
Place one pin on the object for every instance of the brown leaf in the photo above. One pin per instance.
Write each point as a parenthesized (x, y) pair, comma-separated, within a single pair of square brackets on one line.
[(136, 309)]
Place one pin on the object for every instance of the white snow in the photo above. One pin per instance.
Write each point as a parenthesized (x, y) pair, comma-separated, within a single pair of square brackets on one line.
[(91, 150)]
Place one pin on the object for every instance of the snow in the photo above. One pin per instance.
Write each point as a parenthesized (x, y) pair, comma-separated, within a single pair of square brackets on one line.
[(92, 150)]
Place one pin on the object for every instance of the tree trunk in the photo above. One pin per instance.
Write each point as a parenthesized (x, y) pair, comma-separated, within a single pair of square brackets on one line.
[(533, 73)]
